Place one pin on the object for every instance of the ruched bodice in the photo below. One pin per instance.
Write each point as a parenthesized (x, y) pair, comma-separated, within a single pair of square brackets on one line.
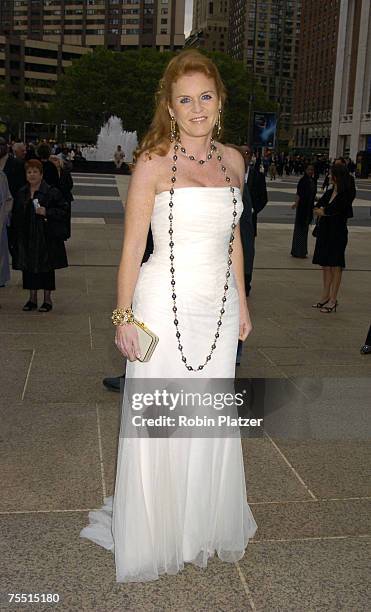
[(202, 224)]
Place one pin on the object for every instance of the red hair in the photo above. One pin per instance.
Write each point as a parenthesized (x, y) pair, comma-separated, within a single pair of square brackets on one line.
[(34, 163)]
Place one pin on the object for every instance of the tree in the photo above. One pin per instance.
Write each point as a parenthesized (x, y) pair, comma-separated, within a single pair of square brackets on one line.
[(104, 83), (11, 109)]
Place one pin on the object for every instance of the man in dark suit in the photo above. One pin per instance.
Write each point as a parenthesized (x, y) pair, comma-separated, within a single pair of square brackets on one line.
[(254, 198)]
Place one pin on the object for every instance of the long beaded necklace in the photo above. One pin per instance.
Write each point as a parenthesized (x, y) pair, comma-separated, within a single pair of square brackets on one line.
[(213, 149)]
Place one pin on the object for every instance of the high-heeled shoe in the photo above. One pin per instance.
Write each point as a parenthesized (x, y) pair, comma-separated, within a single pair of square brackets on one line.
[(320, 304), (328, 309)]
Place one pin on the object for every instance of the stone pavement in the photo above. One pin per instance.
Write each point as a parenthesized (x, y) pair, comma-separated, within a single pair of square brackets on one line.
[(308, 477)]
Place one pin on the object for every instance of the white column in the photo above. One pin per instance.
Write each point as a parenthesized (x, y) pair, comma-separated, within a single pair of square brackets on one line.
[(339, 78), (360, 79)]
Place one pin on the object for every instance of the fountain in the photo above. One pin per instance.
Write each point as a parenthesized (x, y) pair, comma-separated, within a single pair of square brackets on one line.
[(111, 135)]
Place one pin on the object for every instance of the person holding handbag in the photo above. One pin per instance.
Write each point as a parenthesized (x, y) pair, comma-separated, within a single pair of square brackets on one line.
[(332, 211), (180, 500), (38, 228)]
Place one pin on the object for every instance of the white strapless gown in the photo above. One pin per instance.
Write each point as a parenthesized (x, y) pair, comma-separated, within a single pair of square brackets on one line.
[(180, 500)]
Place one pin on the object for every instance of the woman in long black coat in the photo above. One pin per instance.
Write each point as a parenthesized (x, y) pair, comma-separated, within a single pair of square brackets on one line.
[(333, 210), (305, 196), (39, 226)]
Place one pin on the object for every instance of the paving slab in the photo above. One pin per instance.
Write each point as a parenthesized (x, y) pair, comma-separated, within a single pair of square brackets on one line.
[(66, 386), (45, 322), (70, 341), (268, 477), (324, 575), (15, 364), (50, 456), (331, 468), (294, 520)]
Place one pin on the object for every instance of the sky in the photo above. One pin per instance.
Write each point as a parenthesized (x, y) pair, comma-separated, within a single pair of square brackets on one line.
[(188, 16)]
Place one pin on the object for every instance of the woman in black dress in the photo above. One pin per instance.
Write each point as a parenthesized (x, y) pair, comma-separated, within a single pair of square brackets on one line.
[(305, 196), (39, 226), (332, 211)]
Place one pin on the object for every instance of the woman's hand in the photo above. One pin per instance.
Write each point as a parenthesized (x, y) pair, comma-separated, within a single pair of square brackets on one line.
[(294, 205), (41, 210), (127, 341), (245, 321), (319, 212)]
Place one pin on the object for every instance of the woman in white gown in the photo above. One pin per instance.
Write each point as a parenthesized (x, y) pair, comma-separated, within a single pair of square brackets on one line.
[(180, 500)]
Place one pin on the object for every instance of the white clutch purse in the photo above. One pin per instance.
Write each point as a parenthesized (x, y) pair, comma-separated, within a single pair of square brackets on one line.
[(147, 341)]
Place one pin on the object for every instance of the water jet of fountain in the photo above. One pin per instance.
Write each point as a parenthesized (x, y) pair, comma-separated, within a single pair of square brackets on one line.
[(112, 134)]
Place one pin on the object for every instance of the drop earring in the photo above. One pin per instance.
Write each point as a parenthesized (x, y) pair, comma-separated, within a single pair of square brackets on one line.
[(219, 123), (172, 128)]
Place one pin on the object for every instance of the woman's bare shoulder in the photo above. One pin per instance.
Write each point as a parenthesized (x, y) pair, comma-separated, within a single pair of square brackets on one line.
[(150, 167), (233, 155), (147, 162), (233, 161)]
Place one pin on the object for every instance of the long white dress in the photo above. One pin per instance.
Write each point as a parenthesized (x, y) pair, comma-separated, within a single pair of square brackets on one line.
[(180, 500)]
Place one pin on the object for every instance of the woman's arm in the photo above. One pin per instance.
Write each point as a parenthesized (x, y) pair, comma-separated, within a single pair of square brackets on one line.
[(237, 255), (239, 272), (238, 263), (138, 212), (323, 199), (296, 203)]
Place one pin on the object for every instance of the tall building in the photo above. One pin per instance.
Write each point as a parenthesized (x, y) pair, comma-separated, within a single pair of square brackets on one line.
[(315, 77), (264, 34), (210, 25), (351, 109), (30, 68), (116, 24)]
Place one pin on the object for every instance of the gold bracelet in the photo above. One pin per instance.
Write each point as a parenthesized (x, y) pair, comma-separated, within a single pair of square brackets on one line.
[(120, 316)]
